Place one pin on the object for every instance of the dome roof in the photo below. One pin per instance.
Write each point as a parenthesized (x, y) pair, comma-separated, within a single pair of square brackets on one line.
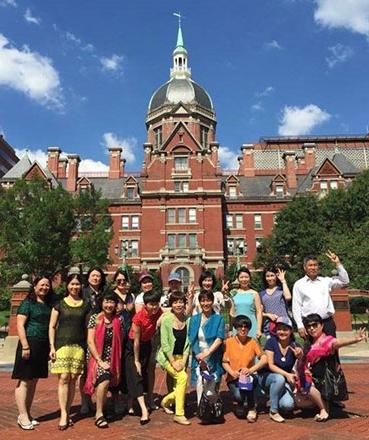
[(180, 90)]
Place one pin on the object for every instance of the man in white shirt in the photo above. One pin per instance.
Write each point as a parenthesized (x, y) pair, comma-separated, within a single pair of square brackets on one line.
[(311, 294)]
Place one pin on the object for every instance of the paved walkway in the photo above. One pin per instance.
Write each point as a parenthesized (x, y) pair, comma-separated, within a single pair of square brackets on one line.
[(351, 423)]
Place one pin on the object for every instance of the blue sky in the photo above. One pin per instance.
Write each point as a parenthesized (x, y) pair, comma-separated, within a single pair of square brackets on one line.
[(79, 74)]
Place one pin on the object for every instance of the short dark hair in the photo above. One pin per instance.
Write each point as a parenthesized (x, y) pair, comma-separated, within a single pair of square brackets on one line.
[(240, 320), (206, 294), (313, 317), (177, 295), (110, 295), (207, 274), (310, 257), (103, 277), (243, 269), (120, 272), (151, 297)]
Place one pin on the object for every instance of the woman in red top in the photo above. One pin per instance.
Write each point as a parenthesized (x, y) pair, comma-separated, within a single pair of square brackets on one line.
[(138, 350)]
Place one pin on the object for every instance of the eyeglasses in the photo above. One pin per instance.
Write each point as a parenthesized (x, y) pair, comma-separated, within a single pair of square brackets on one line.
[(312, 325), (242, 326), (121, 281)]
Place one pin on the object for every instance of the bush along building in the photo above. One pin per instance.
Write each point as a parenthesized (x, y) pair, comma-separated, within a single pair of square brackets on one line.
[(182, 211)]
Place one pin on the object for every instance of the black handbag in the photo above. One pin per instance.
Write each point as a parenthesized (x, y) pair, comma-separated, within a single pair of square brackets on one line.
[(333, 385), (211, 410)]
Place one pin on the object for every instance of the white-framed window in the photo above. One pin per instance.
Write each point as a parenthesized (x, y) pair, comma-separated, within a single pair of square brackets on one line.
[(135, 222), (229, 219), (323, 185), (192, 215), (158, 136), (279, 191), (239, 221), (171, 215), (130, 193), (125, 222), (133, 249), (181, 163), (185, 187), (232, 191), (171, 241), (204, 136), (181, 241), (181, 215), (192, 241), (230, 246), (258, 221), (333, 184)]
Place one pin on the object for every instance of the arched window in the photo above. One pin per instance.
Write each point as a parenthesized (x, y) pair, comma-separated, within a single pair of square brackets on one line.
[(184, 273)]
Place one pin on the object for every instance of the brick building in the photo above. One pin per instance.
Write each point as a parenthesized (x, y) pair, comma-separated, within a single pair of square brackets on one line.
[(182, 211), (8, 158)]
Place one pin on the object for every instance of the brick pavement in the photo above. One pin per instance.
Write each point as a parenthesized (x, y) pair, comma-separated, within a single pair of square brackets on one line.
[(350, 424)]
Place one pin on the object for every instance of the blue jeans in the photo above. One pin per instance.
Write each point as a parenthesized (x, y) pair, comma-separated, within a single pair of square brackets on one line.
[(280, 391), (242, 397)]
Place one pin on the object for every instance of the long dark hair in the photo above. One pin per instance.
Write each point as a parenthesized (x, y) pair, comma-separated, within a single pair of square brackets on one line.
[(207, 274), (120, 272), (274, 270), (103, 277), (32, 294), (71, 277)]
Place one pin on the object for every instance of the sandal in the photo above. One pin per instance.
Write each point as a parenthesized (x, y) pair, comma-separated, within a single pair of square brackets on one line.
[(319, 418), (166, 409), (25, 427), (251, 416), (101, 423)]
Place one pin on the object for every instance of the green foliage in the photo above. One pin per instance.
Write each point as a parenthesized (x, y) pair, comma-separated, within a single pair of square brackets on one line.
[(310, 225), (39, 233), (359, 304)]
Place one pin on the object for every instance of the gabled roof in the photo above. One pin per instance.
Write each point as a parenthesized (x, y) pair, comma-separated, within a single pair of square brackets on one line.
[(19, 169), (328, 168), (175, 130), (344, 165)]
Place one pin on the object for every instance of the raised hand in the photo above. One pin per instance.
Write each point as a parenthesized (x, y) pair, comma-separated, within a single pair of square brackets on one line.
[(297, 351), (361, 336), (281, 275), (225, 287), (333, 257), (191, 290)]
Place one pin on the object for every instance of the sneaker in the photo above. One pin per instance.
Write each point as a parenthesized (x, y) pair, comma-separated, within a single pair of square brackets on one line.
[(276, 417), (182, 420)]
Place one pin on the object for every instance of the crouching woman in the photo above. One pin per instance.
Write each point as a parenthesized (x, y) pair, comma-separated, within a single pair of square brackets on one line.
[(104, 339)]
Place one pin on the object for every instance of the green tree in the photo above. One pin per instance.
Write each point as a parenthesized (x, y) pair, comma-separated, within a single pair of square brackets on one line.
[(93, 233)]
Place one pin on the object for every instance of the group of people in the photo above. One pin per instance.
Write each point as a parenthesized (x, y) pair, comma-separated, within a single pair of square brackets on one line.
[(109, 340)]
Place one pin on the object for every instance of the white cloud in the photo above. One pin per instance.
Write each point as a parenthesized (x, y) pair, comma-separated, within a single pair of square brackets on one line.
[(30, 73), (128, 145), (299, 121), (266, 92), (228, 158), (86, 165), (257, 107), (112, 64), (8, 3), (273, 45), (71, 37), (30, 18), (352, 15), (339, 54)]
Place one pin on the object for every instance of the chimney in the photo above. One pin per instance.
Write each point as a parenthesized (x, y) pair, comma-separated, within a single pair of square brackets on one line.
[(309, 153), (53, 154), (73, 162), (62, 168), (247, 166), (115, 162), (122, 167), (290, 166), (214, 148)]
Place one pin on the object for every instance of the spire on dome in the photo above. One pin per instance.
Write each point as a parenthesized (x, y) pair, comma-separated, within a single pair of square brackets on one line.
[(180, 69)]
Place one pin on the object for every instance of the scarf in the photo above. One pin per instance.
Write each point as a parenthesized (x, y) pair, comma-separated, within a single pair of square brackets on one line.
[(116, 353)]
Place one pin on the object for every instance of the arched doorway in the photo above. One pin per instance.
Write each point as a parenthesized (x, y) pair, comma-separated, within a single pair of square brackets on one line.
[(184, 273)]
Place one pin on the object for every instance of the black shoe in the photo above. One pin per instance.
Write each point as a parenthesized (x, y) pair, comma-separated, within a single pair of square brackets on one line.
[(144, 422)]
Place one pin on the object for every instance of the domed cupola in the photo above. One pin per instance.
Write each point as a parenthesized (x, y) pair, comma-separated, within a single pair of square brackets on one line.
[(180, 88)]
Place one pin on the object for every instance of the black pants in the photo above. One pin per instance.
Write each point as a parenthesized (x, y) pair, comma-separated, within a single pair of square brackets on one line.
[(137, 384)]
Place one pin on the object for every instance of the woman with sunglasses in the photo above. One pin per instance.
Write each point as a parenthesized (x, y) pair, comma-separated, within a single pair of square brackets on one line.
[(282, 352), (126, 300), (320, 354), (239, 363)]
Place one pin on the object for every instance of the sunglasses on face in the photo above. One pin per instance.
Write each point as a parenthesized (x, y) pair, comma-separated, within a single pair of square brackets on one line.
[(312, 325), (121, 281), (242, 327)]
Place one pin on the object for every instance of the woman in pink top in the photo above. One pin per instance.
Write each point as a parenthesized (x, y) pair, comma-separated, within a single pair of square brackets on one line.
[(320, 354)]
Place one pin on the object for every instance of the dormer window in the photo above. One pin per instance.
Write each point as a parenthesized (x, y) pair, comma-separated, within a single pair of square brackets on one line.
[(130, 193), (279, 191), (323, 186), (333, 184), (232, 191), (181, 163)]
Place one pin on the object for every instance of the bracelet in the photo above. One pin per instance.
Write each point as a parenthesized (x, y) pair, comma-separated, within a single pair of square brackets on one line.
[(25, 349)]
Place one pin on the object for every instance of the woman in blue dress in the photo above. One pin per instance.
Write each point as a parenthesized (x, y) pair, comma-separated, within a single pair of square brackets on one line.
[(246, 301)]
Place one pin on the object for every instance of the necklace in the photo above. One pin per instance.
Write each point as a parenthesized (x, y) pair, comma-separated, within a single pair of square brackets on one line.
[(283, 352)]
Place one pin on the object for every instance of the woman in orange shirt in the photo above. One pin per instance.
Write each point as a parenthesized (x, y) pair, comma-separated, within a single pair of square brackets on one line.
[(239, 363)]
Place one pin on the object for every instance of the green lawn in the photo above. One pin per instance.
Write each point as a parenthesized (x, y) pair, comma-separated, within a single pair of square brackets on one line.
[(4, 317)]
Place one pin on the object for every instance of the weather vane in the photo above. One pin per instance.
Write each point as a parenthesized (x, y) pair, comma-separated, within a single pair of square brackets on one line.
[(180, 16)]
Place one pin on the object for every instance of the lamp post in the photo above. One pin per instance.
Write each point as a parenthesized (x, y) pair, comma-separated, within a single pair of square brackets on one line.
[(239, 252), (123, 254)]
